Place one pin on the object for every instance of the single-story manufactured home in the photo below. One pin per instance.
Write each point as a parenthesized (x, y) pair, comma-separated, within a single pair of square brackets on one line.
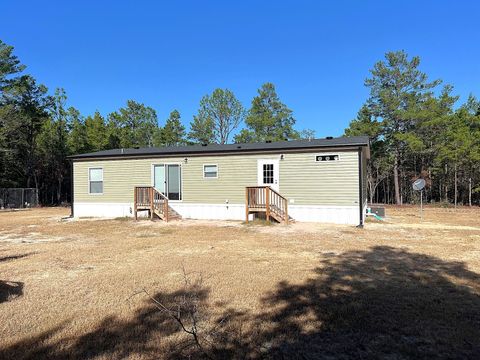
[(320, 180)]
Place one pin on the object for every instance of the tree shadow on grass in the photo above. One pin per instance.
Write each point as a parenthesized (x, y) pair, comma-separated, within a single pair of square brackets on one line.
[(10, 290), (381, 303), (113, 338), (15, 257)]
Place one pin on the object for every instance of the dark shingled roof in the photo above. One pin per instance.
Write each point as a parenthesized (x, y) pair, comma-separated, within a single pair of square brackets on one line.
[(229, 148)]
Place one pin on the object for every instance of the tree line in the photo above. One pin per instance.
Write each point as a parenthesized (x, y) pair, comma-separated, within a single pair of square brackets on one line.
[(38, 130), (417, 130), (416, 127)]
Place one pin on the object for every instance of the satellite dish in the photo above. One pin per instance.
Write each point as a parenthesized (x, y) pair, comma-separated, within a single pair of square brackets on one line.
[(418, 184)]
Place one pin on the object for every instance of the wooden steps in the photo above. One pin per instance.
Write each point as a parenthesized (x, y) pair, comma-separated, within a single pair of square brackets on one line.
[(263, 199), (150, 199), (279, 215), (172, 214)]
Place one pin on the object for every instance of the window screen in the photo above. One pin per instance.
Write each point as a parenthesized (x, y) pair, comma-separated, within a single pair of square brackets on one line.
[(210, 171), (268, 173), (95, 177)]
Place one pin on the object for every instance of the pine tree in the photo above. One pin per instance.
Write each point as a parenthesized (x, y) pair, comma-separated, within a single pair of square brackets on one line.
[(201, 131), (134, 125), (77, 139), (53, 149), (379, 166), (96, 132), (173, 133), (25, 110), (268, 118), (9, 65), (397, 90)]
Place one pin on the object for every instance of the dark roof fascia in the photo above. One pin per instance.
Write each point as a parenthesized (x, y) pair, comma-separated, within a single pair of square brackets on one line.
[(346, 147)]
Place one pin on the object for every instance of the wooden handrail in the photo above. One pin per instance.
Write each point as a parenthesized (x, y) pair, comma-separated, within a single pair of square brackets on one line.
[(149, 198), (265, 199), (160, 203)]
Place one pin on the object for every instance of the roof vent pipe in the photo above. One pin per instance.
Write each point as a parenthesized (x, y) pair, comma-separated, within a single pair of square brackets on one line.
[(329, 137)]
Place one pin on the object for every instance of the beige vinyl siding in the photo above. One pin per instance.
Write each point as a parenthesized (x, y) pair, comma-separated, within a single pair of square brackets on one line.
[(302, 179), (308, 182), (364, 178)]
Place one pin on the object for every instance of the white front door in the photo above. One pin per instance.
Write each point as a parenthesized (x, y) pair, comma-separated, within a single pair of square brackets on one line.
[(268, 174)]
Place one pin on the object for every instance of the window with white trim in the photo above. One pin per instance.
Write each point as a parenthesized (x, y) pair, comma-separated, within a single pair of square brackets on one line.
[(210, 171), (95, 181)]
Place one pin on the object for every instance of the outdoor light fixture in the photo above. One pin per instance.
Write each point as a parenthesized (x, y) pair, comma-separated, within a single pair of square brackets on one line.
[(185, 160), (281, 157)]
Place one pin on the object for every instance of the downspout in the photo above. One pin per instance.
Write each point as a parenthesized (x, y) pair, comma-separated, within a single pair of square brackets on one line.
[(360, 187), (71, 189)]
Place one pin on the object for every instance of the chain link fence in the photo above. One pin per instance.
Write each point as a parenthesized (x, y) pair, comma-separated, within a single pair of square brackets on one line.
[(18, 198)]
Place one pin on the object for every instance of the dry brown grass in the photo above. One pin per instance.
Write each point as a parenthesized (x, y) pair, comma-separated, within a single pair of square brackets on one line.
[(399, 289)]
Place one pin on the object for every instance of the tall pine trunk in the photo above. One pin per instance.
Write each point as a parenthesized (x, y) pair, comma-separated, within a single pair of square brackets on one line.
[(470, 191), (456, 187), (59, 190), (396, 183), (446, 183)]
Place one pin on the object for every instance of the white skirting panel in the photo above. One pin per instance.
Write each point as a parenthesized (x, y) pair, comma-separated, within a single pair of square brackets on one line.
[(107, 210), (312, 213), (210, 211), (325, 214)]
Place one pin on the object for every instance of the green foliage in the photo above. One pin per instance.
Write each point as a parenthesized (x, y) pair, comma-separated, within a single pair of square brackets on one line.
[(134, 125), (173, 133), (78, 138), (25, 109), (201, 130), (9, 64), (96, 132), (222, 112), (245, 136), (459, 140), (53, 147), (307, 134), (380, 164), (416, 133), (398, 92), (268, 118), (365, 125)]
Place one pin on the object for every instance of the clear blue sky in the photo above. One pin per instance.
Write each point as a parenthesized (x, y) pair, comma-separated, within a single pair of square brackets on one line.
[(169, 54)]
